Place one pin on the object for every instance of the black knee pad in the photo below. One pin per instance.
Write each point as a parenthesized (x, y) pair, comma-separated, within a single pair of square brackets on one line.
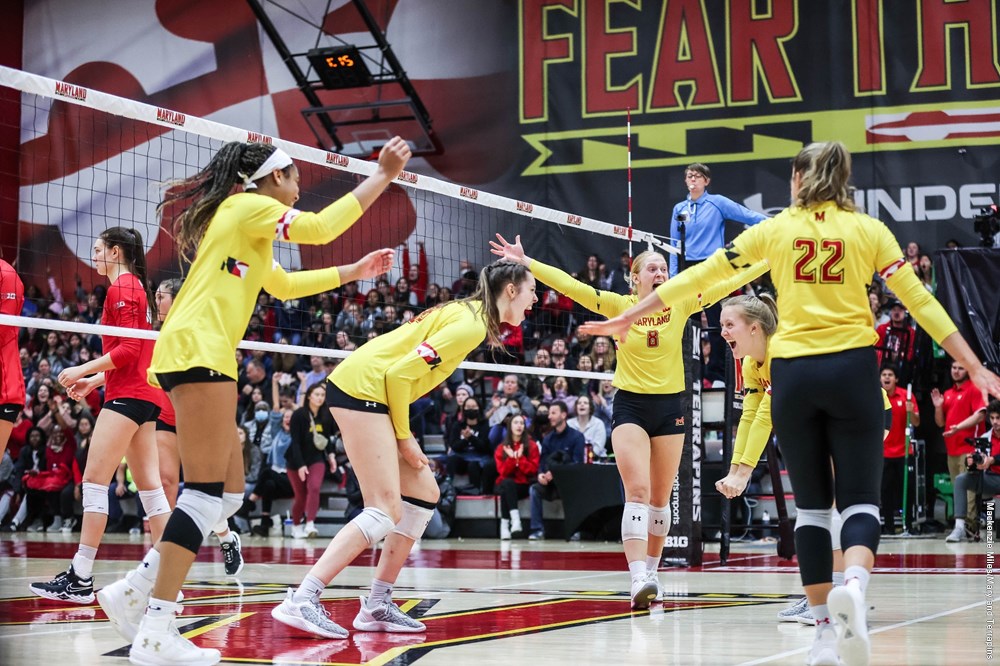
[(183, 531), (813, 547), (861, 529)]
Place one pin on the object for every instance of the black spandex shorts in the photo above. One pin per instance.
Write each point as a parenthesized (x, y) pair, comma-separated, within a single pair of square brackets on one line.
[(171, 380), (887, 419), (140, 411), (9, 411), (658, 413), (335, 397), (165, 427)]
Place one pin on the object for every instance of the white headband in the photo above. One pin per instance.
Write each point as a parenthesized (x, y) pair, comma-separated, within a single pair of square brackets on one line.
[(279, 159)]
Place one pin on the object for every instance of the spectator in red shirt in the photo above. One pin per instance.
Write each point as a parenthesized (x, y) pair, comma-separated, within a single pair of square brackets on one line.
[(417, 276), (517, 464), (985, 479), (959, 411), (894, 449)]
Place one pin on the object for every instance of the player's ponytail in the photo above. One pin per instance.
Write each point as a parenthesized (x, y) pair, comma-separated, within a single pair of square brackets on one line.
[(202, 193), (761, 310), (825, 172), (493, 279), (129, 241)]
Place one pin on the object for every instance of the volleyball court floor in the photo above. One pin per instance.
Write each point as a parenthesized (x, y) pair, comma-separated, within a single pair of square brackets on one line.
[(486, 602)]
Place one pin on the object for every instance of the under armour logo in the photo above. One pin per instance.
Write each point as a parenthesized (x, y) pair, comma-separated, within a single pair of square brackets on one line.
[(639, 518), (156, 645), (214, 373), (657, 522), (369, 403)]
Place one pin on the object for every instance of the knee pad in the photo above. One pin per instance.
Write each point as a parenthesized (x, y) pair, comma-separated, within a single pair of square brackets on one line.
[(836, 524), (861, 527), (813, 517), (193, 518), (374, 524), (659, 520), (95, 498), (635, 521), (231, 503), (414, 520), (154, 502)]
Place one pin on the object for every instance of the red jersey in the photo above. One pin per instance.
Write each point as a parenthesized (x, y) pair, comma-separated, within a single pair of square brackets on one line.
[(895, 344), (895, 444), (522, 469), (961, 402), (126, 305), (995, 452), (11, 303)]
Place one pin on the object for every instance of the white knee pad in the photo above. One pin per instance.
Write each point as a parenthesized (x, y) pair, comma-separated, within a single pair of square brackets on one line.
[(95, 498), (203, 509), (154, 502), (635, 521), (659, 520), (374, 524), (413, 521), (854, 510), (231, 503), (814, 517), (836, 522)]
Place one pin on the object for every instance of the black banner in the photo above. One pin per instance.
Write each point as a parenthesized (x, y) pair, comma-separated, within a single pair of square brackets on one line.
[(967, 286)]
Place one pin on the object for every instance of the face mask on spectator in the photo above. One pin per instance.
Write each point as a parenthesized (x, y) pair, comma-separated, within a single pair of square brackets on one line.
[(472, 413), (260, 415)]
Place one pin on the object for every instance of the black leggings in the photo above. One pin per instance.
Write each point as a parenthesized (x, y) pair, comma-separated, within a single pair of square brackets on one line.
[(824, 407), (510, 493), (271, 486)]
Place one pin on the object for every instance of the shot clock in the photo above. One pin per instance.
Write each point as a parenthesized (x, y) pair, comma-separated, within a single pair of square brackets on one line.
[(340, 67)]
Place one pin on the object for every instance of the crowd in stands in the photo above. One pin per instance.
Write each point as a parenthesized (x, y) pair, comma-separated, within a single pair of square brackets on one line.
[(472, 412)]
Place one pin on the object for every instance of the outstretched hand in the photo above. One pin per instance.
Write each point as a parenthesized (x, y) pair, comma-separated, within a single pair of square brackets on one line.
[(510, 252), (615, 326), (372, 264), (987, 382), (394, 156)]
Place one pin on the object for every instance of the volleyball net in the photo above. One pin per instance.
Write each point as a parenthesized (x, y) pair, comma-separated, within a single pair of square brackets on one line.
[(88, 160)]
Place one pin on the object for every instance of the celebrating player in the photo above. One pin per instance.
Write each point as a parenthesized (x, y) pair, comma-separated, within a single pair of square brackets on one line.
[(648, 420), (371, 392), (194, 359), (12, 393)]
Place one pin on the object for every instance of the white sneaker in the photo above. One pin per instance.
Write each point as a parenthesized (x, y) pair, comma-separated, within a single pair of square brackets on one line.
[(824, 649), (848, 607), (308, 616), (806, 617), (158, 643), (957, 535), (124, 605), (386, 617), (311, 530), (643, 592), (655, 578), (515, 522), (792, 613), (505, 529), (56, 525), (68, 525), (298, 531)]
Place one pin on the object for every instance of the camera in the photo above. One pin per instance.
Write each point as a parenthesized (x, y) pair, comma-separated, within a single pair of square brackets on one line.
[(987, 225), (981, 452)]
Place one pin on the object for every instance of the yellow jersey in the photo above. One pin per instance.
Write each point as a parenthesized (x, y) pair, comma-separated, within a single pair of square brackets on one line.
[(755, 423), (640, 359), (397, 368), (822, 260), (235, 260)]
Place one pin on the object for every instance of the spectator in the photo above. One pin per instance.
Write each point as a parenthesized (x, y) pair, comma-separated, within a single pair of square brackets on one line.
[(311, 450), (982, 477), (403, 295), (517, 464), (273, 482), (604, 355), (510, 389), (253, 459), (559, 392), (417, 275), (895, 342), (619, 277), (534, 384), (540, 425), (432, 296), (43, 376), (444, 295), (604, 402), (468, 445), (343, 342), (925, 271), (912, 254), (317, 373), (593, 430), (879, 315), (452, 405), (959, 411), (350, 320), (254, 376), (443, 518), (562, 445), (894, 450), (554, 311), (560, 354)]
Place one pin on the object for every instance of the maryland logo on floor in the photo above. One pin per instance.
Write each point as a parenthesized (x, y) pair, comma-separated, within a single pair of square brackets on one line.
[(236, 620)]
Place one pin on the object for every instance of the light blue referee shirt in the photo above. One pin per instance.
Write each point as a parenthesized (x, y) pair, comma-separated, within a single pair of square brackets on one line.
[(706, 225)]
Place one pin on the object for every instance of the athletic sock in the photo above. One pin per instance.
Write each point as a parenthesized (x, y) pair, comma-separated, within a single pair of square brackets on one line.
[(160, 608), (838, 578), (144, 575), (637, 569), (821, 614), (381, 593), (652, 562), (229, 537), (83, 561), (310, 588), (860, 574)]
